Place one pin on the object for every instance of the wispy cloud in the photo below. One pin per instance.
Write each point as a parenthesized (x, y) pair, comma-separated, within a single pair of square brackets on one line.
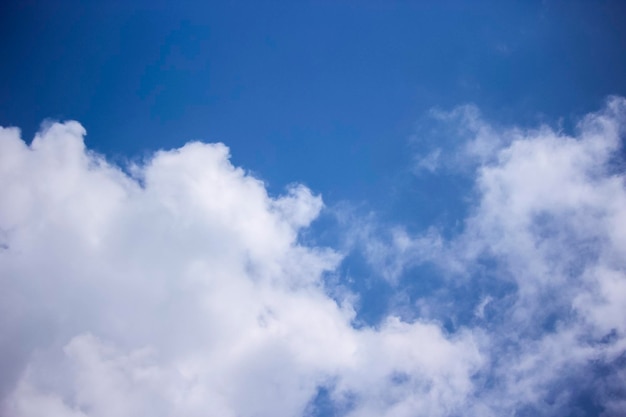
[(548, 218)]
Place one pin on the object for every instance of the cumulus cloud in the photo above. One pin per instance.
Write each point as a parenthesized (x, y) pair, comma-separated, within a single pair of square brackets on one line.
[(548, 225), (552, 214), (179, 287)]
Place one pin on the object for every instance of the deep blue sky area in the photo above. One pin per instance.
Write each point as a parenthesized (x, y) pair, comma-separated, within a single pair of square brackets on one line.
[(326, 93)]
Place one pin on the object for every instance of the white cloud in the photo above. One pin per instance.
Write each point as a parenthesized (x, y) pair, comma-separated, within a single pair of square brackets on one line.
[(549, 219), (184, 290)]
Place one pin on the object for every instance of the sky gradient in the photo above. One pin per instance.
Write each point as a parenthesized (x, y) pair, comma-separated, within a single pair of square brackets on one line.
[(313, 209)]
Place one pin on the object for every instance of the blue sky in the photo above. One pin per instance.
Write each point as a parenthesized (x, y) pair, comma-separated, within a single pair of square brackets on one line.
[(415, 208)]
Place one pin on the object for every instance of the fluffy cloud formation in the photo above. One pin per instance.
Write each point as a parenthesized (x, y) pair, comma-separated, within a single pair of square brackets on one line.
[(543, 252), (180, 288), (552, 216)]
